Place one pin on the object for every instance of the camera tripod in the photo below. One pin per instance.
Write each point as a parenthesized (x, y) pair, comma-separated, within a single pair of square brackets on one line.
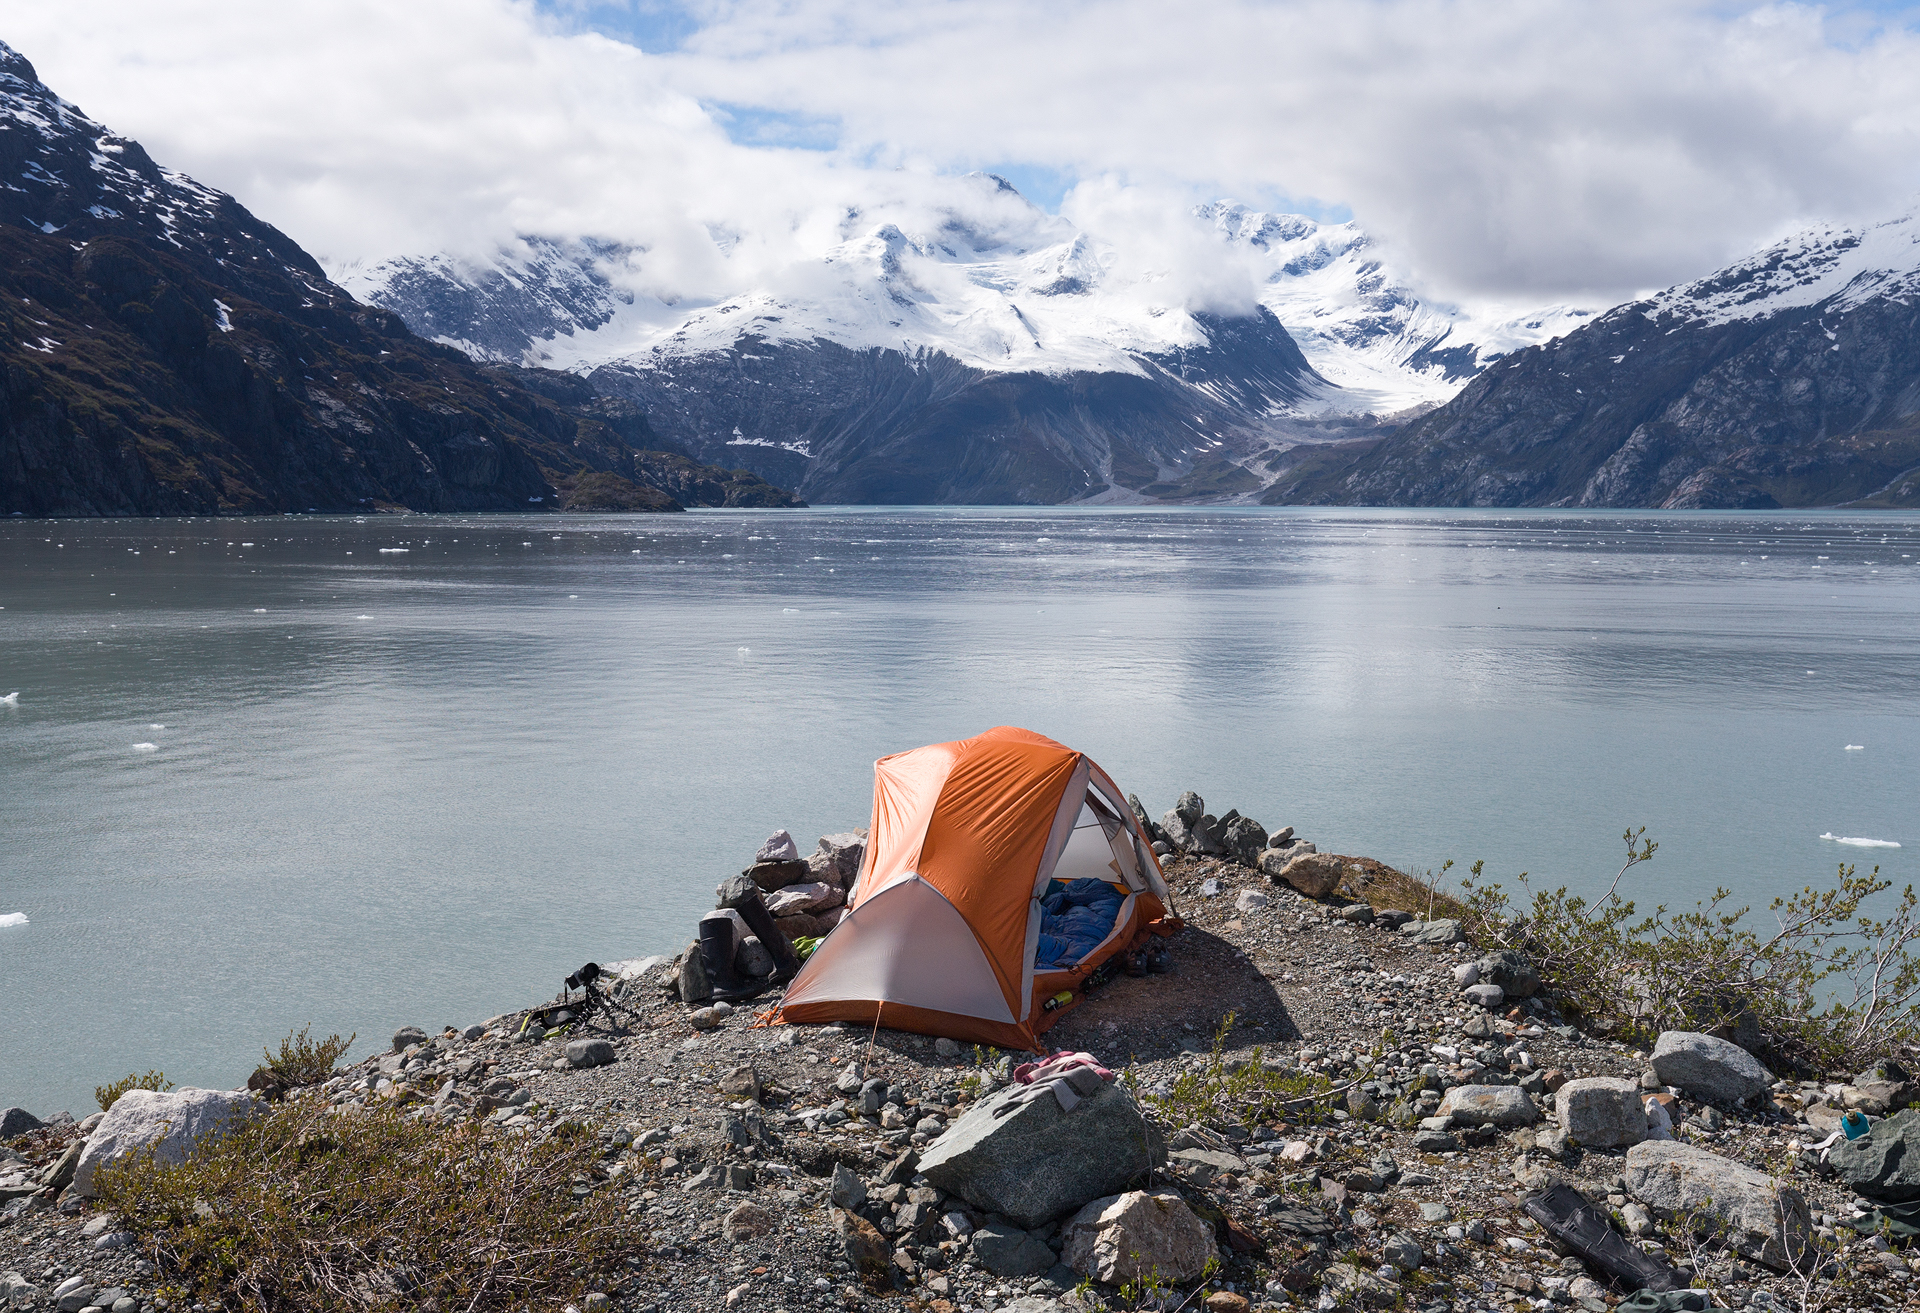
[(616, 1017)]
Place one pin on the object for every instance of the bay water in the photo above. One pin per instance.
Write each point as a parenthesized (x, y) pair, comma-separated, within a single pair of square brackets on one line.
[(369, 772)]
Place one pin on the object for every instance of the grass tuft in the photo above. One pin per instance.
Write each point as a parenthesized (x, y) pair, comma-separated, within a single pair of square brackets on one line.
[(301, 1061), (105, 1095)]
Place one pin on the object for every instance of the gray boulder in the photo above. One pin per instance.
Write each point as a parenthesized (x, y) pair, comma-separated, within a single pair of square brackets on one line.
[(1244, 839), (17, 1121), (1476, 1105), (752, 958), (1188, 808), (1517, 977), (1601, 1112), (1123, 1237), (778, 848), (1717, 1070), (1007, 1251), (1488, 996), (692, 979), (170, 1124), (406, 1037), (838, 858), (807, 896), (1443, 931), (1757, 1215), (1885, 1165), (1037, 1162), (589, 1052)]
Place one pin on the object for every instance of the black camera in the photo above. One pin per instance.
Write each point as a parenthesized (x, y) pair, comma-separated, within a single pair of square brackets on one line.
[(584, 977)]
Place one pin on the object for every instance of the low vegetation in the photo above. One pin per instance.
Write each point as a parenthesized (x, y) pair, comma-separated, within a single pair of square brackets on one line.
[(1826, 986), (105, 1095), (1238, 1092), (306, 1208), (302, 1061)]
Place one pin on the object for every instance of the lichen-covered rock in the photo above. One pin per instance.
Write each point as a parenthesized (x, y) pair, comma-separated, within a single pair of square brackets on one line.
[(1122, 1237), (1759, 1216), (1314, 874), (1476, 1105), (1443, 930), (1708, 1068), (170, 1124), (1601, 1112)]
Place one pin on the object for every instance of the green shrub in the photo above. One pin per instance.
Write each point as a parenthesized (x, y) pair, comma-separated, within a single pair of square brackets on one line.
[(104, 1095), (1238, 1093), (1825, 987), (305, 1208), (303, 1062)]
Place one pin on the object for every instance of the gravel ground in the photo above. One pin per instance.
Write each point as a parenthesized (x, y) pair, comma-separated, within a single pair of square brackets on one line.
[(723, 1142)]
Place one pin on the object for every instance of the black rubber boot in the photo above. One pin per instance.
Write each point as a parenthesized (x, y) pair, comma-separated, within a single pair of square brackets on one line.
[(716, 951), (743, 896)]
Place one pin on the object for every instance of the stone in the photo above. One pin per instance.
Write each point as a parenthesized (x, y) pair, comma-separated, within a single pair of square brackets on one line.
[(1708, 1068), (1487, 996), (1189, 807), (590, 1052), (17, 1121), (849, 1081), (1445, 930), (1314, 874), (1038, 1162), (771, 876), (1210, 888), (1121, 1237), (838, 859), (1601, 1112), (1348, 1284), (406, 1037), (692, 980), (1393, 919), (1510, 969), (74, 1300), (946, 1048), (847, 1191), (1466, 974), (1757, 1215), (1008, 1251), (1249, 900), (802, 925), (1476, 1105), (1885, 1165), (778, 848), (170, 1124), (705, 1018), (722, 1176), (1243, 838), (742, 1082), (1403, 1251), (1432, 1141), (1226, 1301), (1433, 1213), (751, 958), (863, 1245), (805, 898), (1281, 837), (747, 1221), (1638, 1221), (1205, 1164), (1357, 914)]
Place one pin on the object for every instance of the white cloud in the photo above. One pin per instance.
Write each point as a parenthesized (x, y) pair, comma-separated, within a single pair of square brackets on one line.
[(1529, 150)]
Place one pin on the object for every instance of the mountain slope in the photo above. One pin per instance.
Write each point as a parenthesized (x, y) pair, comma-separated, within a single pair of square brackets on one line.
[(1791, 378), (162, 351)]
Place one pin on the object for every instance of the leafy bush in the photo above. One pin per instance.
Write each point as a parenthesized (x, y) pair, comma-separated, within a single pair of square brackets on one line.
[(303, 1062), (304, 1208), (1826, 986), (104, 1095)]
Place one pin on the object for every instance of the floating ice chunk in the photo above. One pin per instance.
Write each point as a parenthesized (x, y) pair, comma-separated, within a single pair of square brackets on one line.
[(259, 610), (1861, 843), (12, 918), (573, 597), (156, 727), (392, 550), (789, 610), (11, 700), (1856, 747), (746, 651), (146, 747)]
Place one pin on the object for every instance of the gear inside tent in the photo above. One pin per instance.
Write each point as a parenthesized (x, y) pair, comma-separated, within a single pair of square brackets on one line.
[(1001, 872)]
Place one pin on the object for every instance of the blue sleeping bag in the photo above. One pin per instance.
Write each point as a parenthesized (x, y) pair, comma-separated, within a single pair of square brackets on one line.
[(1074, 917)]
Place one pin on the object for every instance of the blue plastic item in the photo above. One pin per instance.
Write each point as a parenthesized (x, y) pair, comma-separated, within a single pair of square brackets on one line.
[(1855, 1125)]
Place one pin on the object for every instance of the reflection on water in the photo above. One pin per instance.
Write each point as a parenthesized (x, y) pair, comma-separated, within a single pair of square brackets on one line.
[(419, 785)]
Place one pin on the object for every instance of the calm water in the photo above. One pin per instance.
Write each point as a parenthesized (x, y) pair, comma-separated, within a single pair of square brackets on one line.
[(384, 787)]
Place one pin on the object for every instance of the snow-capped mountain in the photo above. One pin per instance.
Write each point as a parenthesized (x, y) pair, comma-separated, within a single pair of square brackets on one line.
[(165, 352), (1362, 323), (1789, 378)]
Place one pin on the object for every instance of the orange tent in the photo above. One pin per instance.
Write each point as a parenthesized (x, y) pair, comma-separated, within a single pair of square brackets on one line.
[(944, 920)]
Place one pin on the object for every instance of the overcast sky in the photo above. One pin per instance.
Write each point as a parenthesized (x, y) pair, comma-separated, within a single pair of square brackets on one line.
[(1529, 151)]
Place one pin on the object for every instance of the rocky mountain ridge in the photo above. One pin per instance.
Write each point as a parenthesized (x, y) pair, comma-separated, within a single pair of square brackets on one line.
[(1790, 378), (164, 352)]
